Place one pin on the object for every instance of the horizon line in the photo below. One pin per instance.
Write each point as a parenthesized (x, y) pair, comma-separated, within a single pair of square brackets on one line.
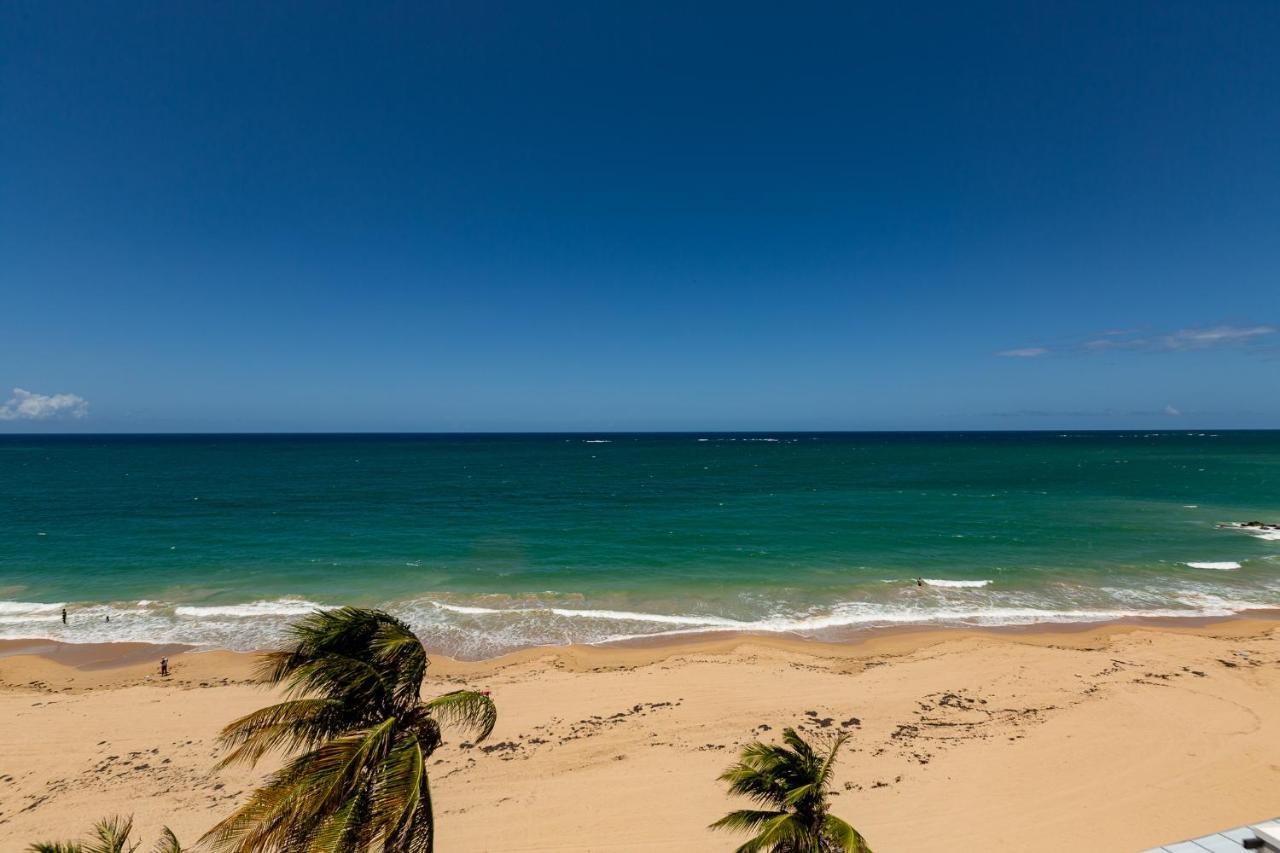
[(232, 433)]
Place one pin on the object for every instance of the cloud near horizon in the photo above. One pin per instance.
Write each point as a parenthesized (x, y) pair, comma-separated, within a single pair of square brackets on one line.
[(1168, 411), (28, 406), (1215, 336), (1182, 340)]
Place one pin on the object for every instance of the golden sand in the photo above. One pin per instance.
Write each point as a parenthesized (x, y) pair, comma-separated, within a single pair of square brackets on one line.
[(1115, 738)]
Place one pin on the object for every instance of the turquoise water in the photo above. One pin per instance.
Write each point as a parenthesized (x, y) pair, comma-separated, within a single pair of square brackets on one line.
[(488, 543)]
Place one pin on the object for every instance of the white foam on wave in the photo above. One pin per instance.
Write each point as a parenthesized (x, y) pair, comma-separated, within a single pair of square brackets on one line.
[(278, 607), (21, 612), (615, 615), (597, 441), (954, 584), (1223, 566), (867, 614), (250, 626), (1270, 533), (25, 607), (472, 630)]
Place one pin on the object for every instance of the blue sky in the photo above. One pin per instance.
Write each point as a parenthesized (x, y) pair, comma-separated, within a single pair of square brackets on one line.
[(472, 215)]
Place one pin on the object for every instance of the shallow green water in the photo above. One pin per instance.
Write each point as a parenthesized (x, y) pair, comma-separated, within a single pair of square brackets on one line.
[(487, 543)]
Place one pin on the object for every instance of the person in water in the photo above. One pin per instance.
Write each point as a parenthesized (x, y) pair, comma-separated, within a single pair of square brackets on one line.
[(64, 616), (919, 581)]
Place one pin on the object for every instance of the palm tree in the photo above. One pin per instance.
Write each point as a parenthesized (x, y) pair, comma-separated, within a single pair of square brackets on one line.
[(111, 836), (360, 736), (792, 781)]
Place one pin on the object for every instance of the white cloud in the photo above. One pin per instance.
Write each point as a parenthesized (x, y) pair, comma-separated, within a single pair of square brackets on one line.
[(1249, 338), (1171, 411), (26, 406), (1214, 336)]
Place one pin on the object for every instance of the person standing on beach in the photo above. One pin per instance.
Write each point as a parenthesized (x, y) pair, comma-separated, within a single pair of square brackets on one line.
[(164, 667)]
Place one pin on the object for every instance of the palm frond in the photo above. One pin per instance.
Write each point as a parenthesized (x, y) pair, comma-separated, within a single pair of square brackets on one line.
[(396, 648), (399, 785), (336, 766), (781, 834), (468, 709), (168, 842), (793, 777), (279, 811), (292, 724), (828, 763), (346, 828), (744, 820), (419, 834), (845, 837), (361, 735), (306, 793), (798, 745), (112, 836), (354, 680), (346, 632), (755, 775)]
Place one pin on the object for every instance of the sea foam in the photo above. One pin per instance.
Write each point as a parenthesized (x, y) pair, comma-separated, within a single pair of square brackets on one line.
[(472, 629), (1269, 532), (278, 607), (26, 607), (19, 612)]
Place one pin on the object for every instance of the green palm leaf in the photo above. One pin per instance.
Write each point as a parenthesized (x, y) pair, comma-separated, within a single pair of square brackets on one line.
[(794, 779), (111, 835), (168, 842), (846, 838), (745, 820), (360, 736), (290, 725), (400, 782), (467, 709)]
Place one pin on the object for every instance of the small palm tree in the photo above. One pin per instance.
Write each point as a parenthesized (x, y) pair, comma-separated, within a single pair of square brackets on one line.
[(111, 836), (362, 735), (792, 781)]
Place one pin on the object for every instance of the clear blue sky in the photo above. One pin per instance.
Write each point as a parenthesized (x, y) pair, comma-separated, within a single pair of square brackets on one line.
[(527, 216)]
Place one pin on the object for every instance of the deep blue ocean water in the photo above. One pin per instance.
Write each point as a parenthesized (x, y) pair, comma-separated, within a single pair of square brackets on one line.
[(491, 542)]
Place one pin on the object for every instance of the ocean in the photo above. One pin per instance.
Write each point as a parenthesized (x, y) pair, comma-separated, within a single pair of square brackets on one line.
[(488, 543)]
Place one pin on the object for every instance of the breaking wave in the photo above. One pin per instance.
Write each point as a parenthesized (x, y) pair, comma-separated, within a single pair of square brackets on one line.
[(279, 607), (471, 629), (1256, 529)]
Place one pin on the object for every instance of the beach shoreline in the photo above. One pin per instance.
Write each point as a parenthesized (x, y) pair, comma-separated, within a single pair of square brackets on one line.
[(104, 656), (985, 737)]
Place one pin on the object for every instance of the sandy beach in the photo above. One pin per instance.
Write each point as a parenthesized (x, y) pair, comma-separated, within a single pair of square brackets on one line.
[(1113, 738)]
